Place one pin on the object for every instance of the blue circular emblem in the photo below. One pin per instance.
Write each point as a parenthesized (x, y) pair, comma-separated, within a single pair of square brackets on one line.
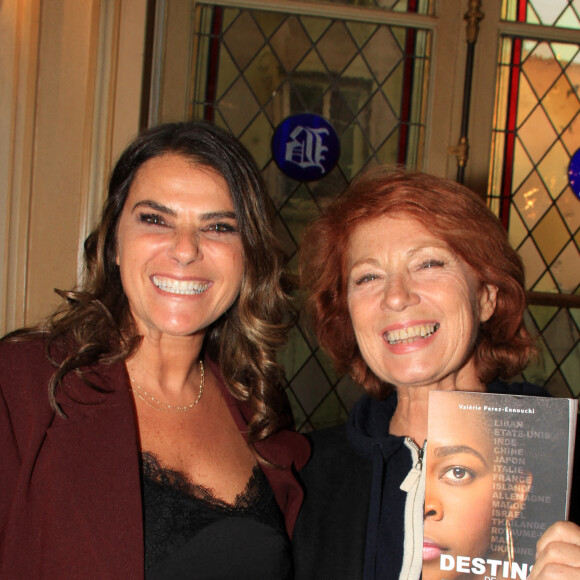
[(574, 173), (305, 147)]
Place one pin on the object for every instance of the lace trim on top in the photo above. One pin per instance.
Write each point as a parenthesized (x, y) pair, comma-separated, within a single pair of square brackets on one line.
[(175, 509), (154, 470)]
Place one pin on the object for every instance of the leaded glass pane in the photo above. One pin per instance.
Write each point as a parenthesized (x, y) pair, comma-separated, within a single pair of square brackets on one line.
[(255, 68), (537, 129), (418, 6), (560, 13)]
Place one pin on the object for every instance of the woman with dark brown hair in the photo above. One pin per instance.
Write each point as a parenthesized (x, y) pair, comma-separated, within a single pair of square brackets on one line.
[(144, 426), (411, 286)]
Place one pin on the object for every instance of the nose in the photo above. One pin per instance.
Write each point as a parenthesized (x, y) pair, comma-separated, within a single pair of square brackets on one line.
[(433, 507), (398, 293), (185, 247)]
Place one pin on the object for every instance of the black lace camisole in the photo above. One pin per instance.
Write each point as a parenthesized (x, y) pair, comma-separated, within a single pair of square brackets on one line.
[(191, 534)]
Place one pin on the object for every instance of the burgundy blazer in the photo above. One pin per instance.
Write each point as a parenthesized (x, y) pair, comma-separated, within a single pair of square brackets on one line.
[(70, 493)]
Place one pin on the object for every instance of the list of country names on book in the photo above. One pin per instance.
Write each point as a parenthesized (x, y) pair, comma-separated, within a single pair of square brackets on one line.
[(513, 483)]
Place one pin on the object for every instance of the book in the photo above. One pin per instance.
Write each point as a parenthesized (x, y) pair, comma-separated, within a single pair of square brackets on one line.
[(497, 472)]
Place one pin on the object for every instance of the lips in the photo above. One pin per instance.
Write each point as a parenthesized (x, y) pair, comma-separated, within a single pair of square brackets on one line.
[(186, 287), (411, 333), (431, 550)]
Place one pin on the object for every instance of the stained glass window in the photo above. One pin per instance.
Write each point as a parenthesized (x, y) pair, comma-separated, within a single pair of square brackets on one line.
[(560, 13), (419, 6), (536, 131), (256, 67)]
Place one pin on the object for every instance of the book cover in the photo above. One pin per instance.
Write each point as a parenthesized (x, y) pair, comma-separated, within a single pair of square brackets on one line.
[(497, 475)]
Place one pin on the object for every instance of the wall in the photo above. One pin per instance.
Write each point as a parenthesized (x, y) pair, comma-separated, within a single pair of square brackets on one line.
[(71, 75)]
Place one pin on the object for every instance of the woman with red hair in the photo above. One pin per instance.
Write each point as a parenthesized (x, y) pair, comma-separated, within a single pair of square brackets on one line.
[(412, 286)]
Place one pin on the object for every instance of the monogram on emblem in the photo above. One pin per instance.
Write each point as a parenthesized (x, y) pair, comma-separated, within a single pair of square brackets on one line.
[(305, 147)]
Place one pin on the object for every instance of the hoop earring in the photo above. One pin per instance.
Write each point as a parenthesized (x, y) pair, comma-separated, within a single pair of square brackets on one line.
[(509, 542)]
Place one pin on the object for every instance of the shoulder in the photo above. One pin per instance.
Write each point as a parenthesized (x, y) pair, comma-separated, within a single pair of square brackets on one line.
[(330, 445), (22, 351), (333, 465), (24, 381), (329, 438), (330, 531), (516, 388), (24, 364)]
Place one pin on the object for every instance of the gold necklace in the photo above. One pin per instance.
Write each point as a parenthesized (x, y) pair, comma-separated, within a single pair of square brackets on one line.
[(157, 404)]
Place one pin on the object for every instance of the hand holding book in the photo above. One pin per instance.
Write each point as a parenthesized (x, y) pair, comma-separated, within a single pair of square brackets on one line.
[(497, 475), (558, 553)]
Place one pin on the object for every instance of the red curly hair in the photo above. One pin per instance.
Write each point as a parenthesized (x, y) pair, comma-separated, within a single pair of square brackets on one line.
[(450, 212)]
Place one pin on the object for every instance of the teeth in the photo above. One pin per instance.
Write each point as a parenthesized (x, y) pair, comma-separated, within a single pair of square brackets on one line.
[(188, 287), (411, 334)]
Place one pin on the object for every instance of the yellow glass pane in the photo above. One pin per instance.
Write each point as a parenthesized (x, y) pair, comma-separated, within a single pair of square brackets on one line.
[(229, 15), (330, 412), (527, 100), (243, 39), (383, 53), (532, 200), (546, 284), (268, 21), (571, 369), (537, 134), (262, 75), (554, 170), (517, 229), (566, 269), (290, 43), (228, 74), (238, 106), (315, 27), (336, 47), (296, 355), (561, 103), (541, 315), (551, 235), (392, 87), (569, 206), (257, 138), (522, 166), (532, 262), (387, 154), (361, 31), (561, 335), (571, 136)]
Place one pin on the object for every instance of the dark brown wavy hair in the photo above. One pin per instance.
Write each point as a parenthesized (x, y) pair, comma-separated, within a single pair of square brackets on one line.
[(95, 325), (448, 211)]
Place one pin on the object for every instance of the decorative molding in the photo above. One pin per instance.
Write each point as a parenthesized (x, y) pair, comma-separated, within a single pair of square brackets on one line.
[(335, 10), (100, 121), (473, 16), (19, 28), (71, 80)]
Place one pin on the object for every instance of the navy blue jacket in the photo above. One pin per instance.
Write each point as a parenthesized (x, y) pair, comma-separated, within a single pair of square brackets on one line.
[(333, 530)]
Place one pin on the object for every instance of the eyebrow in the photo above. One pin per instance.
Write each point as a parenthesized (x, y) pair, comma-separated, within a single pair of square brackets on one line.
[(410, 253), (171, 212), (219, 215), (366, 262), (455, 449), (155, 206)]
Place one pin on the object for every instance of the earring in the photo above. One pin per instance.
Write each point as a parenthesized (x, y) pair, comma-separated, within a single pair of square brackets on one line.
[(509, 542)]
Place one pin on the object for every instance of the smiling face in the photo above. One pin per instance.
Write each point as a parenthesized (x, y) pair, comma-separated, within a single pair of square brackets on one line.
[(415, 306), (178, 247), (459, 488)]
